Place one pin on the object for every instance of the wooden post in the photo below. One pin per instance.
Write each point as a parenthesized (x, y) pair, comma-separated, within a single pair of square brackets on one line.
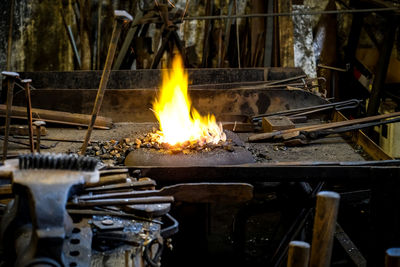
[(299, 254), (392, 257), (324, 228)]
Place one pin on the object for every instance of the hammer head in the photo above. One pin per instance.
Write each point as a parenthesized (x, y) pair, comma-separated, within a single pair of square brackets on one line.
[(26, 81), (39, 123), (122, 15), (10, 74)]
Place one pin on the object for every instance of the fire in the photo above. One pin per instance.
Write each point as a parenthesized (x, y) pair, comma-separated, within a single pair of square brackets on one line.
[(179, 121)]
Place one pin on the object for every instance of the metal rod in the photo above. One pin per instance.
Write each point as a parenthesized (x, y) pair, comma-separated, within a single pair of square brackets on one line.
[(11, 21), (297, 110), (126, 201), (29, 113), (106, 73), (75, 49), (306, 13)]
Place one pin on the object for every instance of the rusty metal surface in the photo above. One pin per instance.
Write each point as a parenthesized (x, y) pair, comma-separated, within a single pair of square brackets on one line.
[(152, 78), (125, 105)]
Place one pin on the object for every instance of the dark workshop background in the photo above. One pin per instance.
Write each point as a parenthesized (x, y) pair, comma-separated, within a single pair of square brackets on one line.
[(40, 39)]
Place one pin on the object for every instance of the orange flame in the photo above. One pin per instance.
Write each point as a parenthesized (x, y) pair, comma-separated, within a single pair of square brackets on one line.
[(179, 121)]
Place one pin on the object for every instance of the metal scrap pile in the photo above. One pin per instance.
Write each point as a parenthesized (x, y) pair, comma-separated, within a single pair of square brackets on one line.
[(88, 226)]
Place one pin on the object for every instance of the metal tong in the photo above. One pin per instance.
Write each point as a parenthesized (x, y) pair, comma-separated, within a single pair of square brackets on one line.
[(347, 104)]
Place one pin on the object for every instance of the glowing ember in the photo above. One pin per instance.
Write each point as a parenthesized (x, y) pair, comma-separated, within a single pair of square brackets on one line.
[(179, 121)]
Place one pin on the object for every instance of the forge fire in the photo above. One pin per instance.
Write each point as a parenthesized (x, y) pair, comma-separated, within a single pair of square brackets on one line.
[(180, 122)]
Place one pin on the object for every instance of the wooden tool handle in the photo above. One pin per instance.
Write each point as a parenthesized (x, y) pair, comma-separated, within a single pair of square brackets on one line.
[(392, 257), (299, 254), (320, 127), (324, 228)]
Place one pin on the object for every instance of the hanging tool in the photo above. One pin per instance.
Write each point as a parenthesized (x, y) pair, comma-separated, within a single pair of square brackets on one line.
[(121, 17), (10, 79), (26, 83)]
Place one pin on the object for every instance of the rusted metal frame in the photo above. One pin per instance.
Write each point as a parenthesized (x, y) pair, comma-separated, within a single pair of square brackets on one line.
[(161, 50), (382, 65)]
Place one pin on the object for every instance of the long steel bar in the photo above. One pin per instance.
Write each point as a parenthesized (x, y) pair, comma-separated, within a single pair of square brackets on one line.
[(305, 13), (29, 112), (121, 17)]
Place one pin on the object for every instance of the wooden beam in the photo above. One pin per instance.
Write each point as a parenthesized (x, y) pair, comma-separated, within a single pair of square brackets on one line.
[(57, 117)]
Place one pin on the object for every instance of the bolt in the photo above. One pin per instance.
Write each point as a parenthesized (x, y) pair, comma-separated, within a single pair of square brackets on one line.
[(107, 222)]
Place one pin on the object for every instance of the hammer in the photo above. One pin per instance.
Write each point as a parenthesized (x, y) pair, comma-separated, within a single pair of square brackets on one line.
[(26, 83), (10, 79), (38, 125), (121, 17)]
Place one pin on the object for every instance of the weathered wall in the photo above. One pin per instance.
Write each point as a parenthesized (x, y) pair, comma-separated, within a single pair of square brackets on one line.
[(39, 40)]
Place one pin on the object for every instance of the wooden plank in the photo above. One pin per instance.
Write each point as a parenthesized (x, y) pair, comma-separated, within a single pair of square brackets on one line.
[(57, 117)]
